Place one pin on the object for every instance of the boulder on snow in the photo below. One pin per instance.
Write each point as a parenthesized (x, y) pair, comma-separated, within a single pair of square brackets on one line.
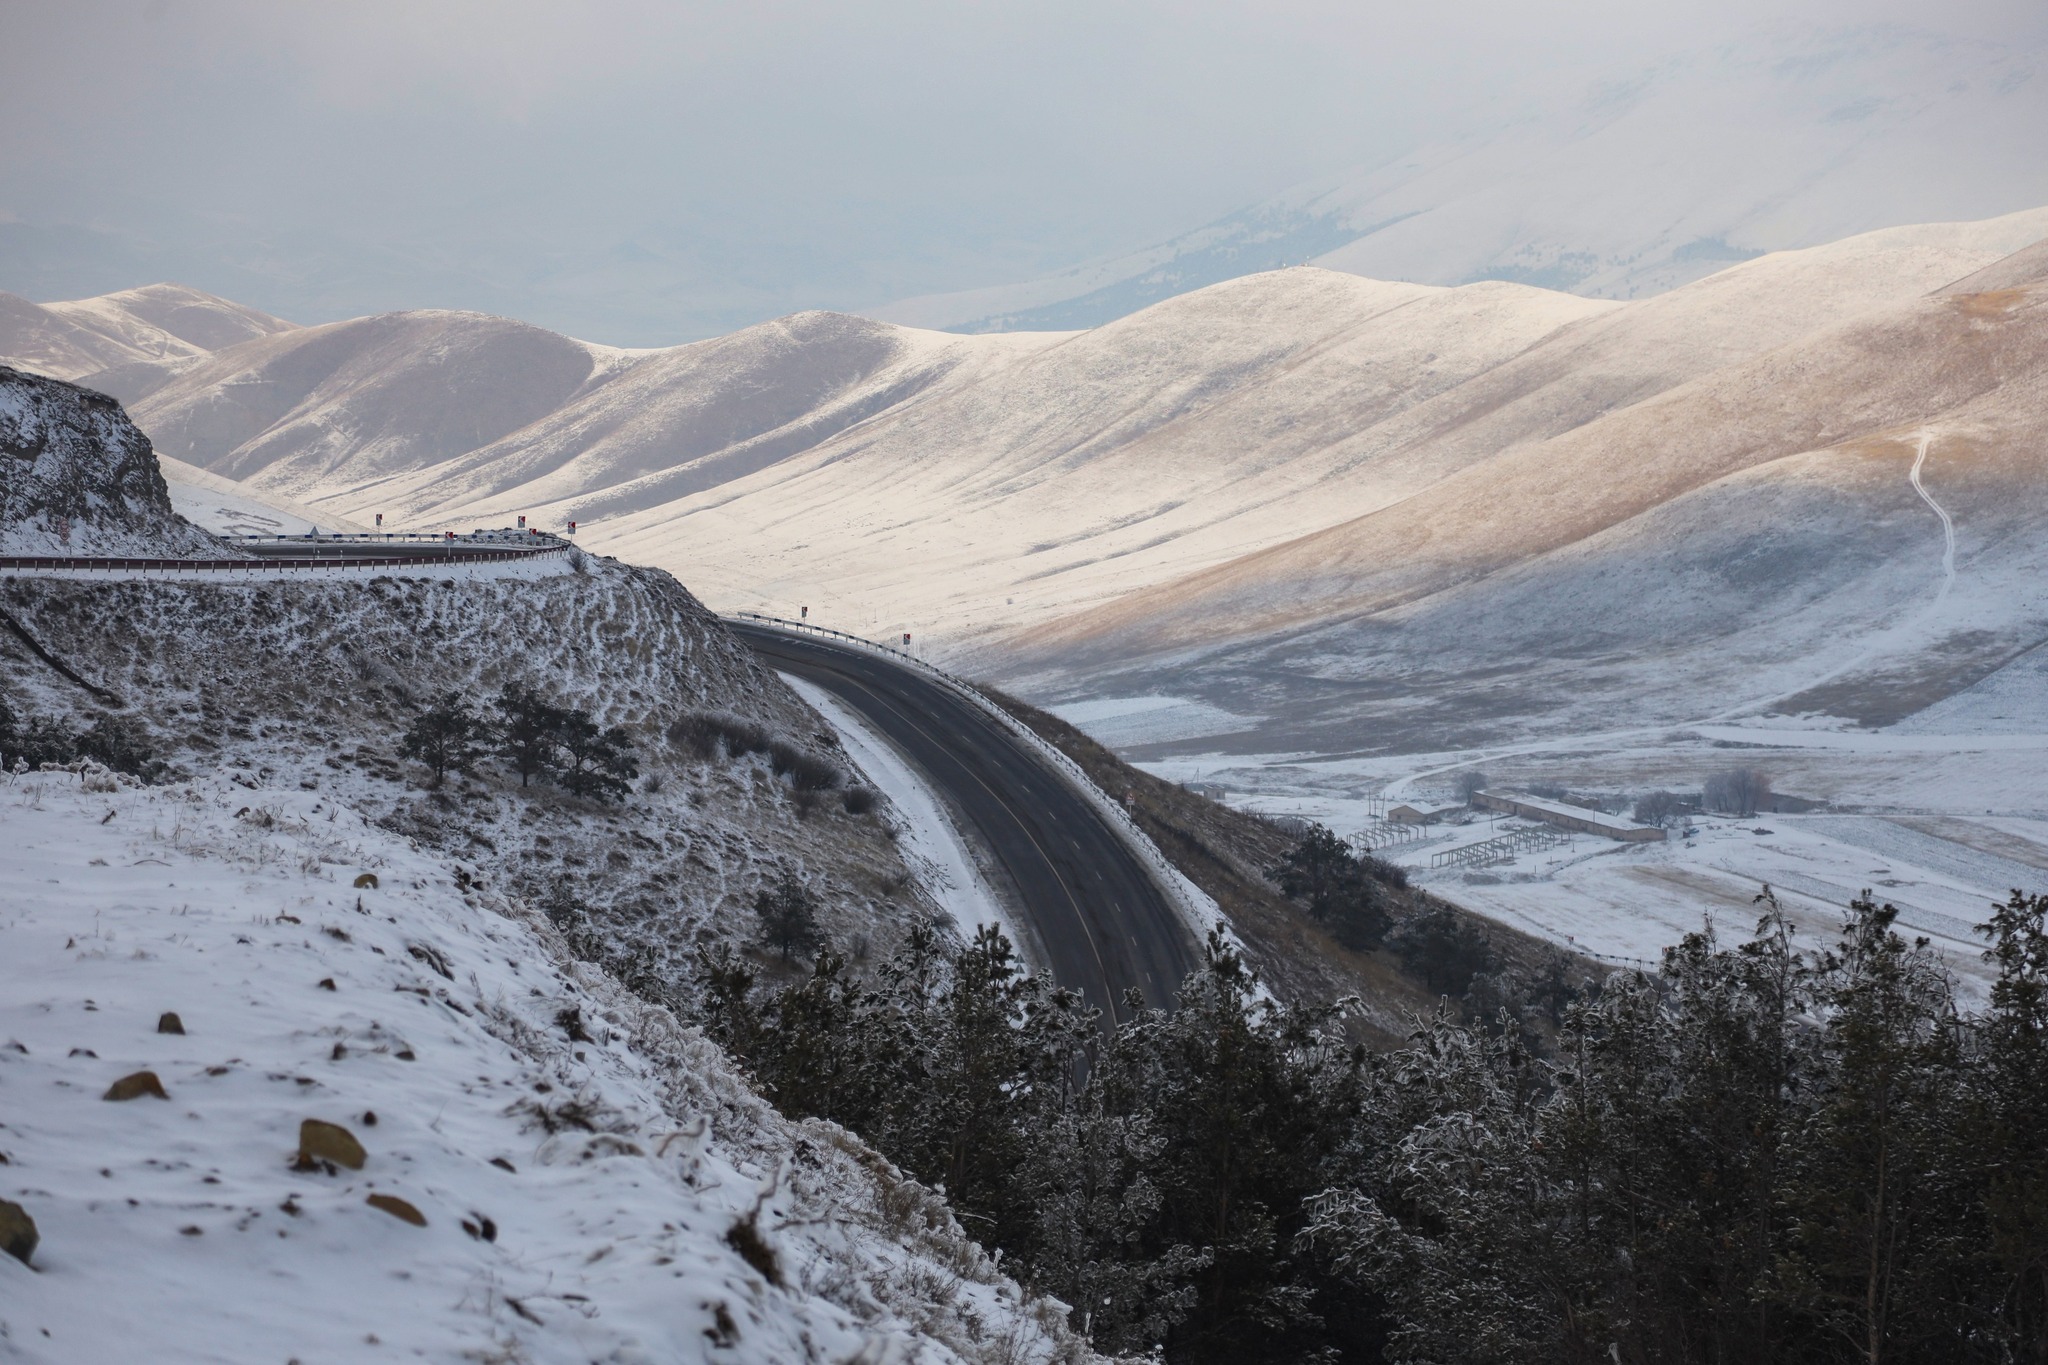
[(397, 1208), (321, 1141), (17, 1231), (168, 1022), (135, 1086)]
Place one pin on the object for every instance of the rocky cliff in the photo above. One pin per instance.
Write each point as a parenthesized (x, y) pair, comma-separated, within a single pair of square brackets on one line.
[(76, 477)]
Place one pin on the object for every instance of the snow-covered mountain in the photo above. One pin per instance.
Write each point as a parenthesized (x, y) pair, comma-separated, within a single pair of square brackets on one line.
[(1648, 179), (986, 493), (1847, 525), (156, 326)]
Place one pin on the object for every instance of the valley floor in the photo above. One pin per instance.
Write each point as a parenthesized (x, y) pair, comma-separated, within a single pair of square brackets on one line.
[(1940, 825)]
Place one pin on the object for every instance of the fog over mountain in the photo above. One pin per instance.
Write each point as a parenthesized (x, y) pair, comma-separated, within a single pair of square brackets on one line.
[(645, 174), (1646, 179)]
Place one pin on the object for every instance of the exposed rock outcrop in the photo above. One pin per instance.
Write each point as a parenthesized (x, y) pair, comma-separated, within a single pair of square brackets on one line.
[(77, 477)]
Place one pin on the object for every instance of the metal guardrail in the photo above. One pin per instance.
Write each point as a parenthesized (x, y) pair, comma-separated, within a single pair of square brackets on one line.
[(510, 537), (256, 565), (1200, 917)]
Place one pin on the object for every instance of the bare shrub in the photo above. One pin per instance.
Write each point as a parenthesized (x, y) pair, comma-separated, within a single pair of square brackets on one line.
[(1660, 807), (697, 734), (743, 737), (859, 800), (702, 733), (1737, 791), (805, 771)]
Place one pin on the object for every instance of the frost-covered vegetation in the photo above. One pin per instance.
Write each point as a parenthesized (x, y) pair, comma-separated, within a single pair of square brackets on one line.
[(1756, 1154)]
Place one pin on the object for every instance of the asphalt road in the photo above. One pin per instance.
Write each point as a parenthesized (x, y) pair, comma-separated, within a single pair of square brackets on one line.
[(1098, 915)]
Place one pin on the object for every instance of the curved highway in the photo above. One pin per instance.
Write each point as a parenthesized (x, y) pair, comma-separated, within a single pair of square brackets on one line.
[(1100, 918)]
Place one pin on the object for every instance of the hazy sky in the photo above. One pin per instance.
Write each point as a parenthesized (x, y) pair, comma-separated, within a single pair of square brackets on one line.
[(679, 168)]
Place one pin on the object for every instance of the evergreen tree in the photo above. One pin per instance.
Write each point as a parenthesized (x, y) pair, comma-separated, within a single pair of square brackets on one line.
[(597, 762), (447, 736), (789, 918), (1444, 948), (529, 732), (2010, 1103), (1871, 1258), (1336, 889)]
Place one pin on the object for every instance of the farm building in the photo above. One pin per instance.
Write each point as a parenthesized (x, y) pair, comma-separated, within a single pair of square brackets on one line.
[(1568, 817)]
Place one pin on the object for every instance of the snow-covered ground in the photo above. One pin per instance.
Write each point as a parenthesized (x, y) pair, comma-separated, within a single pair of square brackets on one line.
[(1151, 720), (1940, 825), (578, 1193), (224, 507)]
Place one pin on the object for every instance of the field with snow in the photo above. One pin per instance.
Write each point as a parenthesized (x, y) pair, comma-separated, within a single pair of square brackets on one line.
[(1940, 825), (573, 1161)]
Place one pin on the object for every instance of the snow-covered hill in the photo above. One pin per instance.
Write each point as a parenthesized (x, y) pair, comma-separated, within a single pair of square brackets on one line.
[(1773, 533), (154, 328), (567, 1174), (1649, 178), (974, 490)]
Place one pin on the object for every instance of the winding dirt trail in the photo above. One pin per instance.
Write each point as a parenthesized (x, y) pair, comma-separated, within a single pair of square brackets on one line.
[(1883, 642)]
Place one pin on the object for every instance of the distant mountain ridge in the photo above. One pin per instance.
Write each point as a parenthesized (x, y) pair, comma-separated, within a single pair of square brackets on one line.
[(157, 325), (1644, 183)]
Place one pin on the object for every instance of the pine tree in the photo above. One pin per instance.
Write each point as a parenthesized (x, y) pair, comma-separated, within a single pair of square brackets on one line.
[(1336, 889), (2011, 1102), (529, 732), (1445, 948), (1870, 1261), (599, 762), (789, 918), (446, 736)]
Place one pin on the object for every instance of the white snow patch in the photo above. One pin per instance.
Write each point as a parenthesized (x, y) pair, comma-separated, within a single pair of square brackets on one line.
[(229, 508)]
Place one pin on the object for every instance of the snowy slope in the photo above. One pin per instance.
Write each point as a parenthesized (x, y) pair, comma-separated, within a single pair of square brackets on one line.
[(227, 508), (157, 325), (1233, 419), (1117, 456), (1771, 535), (577, 1196), (1647, 178), (699, 416), (366, 400), (434, 415)]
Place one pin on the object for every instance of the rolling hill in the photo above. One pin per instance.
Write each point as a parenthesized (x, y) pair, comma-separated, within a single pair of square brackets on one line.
[(1290, 495), (154, 328)]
